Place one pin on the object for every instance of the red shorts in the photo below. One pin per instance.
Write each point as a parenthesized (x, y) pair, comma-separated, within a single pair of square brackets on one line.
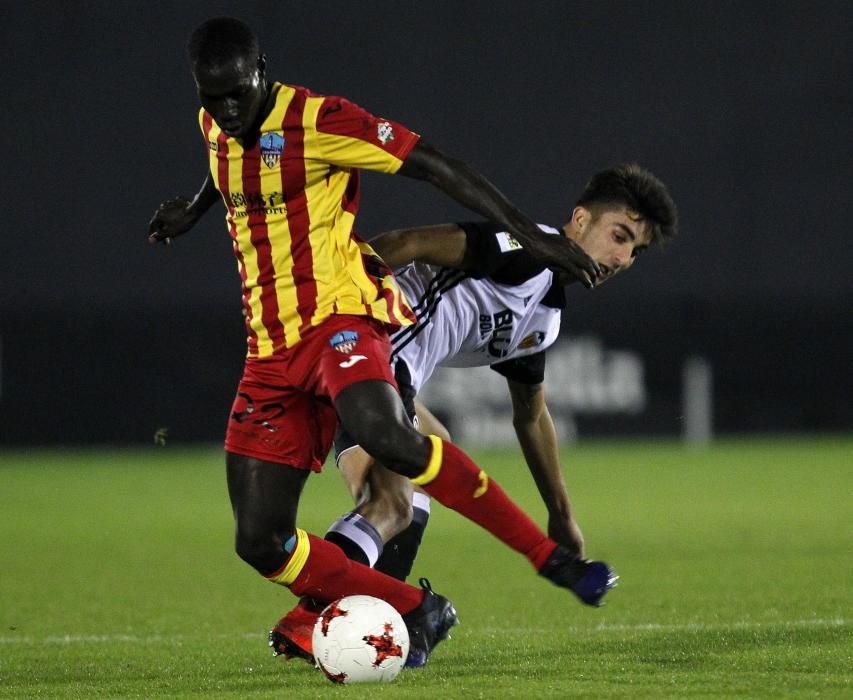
[(283, 411)]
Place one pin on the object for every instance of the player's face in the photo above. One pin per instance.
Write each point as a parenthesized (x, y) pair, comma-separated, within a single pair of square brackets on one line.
[(613, 238), (233, 92)]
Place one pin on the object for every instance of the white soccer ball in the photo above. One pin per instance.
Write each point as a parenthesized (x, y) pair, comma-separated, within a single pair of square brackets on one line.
[(360, 639)]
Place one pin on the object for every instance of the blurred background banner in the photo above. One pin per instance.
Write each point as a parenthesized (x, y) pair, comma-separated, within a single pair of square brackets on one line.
[(745, 109)]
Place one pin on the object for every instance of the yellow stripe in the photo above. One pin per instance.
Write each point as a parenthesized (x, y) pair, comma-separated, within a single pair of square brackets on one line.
[(484, 484), (296, 561), (341, 283), (381, 308), (352, 152), (434, 466), (399, 301), (324, 189), (279, 229), (244, 244)]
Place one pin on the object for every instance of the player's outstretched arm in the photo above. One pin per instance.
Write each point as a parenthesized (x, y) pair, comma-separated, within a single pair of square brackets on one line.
[(442, 244), (174, 217), (538, 440), (468, 187)]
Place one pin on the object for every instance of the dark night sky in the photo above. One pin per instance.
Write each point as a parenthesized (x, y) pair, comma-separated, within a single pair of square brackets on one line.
[(745, 109)]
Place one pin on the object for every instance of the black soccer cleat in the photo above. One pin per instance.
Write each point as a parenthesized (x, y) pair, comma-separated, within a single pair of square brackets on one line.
[(428, 624), (588, 580)]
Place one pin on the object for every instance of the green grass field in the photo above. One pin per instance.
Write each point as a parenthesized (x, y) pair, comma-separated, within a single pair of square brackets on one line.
[(117, 578)]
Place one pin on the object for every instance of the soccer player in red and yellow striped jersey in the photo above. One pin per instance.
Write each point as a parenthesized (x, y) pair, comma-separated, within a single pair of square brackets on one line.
[(291, 197), (318, 305)]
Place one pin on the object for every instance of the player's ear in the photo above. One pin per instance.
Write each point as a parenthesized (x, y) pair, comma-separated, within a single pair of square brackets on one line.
[(262, 64), (580, 218)]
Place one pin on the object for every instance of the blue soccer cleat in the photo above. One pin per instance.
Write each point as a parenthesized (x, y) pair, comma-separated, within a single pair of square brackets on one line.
[(588, 580), (428, 624)]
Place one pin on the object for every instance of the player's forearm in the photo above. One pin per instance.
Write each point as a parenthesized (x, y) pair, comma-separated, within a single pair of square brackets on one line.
[(538, 440), (204, 198), (443, 245), (471, 189)]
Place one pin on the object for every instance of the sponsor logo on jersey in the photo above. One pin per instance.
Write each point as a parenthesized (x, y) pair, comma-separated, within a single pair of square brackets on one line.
[(535, 339), (346, 364), (245, 203), (272, 146), (497, 328), (384, 132), (506, 242), (344, 342)]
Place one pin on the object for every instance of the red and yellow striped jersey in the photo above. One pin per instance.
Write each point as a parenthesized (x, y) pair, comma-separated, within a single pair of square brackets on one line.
[(291, 199)]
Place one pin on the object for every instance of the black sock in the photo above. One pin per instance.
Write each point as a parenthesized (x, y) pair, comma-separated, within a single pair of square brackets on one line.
[(399, 554), (351, 549), (357, 538)]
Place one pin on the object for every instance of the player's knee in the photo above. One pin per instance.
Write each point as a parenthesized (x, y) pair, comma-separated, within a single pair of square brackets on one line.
[(401, 450), (399, 508), (250, 549), (259, 549)]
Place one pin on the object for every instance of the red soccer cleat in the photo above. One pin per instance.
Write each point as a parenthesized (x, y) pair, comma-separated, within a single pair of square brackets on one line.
[(291, 637)]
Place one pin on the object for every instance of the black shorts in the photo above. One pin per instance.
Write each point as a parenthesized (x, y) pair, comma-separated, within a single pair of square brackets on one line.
[(344, 441)]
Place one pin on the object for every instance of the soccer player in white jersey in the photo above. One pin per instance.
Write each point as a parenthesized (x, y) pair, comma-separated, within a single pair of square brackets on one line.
[(481, 299)]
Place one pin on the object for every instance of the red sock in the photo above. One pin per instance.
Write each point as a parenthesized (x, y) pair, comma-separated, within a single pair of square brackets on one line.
[(455, 481), (319, 569)]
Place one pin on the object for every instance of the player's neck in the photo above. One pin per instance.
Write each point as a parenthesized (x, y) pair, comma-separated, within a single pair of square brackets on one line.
[(270, 91)]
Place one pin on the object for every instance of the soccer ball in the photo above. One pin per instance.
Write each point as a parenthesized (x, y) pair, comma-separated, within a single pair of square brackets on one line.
[(360, 639)]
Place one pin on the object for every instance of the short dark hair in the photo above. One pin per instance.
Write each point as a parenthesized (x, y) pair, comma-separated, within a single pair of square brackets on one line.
[(221, 38), (637, 189)]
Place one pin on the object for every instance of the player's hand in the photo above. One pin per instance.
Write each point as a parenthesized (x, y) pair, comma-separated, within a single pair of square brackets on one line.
[(565, 531), (563, 255), (172, 218)]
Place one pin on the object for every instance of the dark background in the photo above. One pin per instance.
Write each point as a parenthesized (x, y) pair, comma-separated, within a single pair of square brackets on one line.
[(743, 108)]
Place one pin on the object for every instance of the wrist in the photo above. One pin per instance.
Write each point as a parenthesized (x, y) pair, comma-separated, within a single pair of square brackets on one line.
[(561, 511), (195, 210)]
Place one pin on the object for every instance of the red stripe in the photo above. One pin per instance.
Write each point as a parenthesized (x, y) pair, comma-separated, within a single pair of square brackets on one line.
[(259, 233), (349, 202), (298, 219), (341, 117), (224, 188), (388, 295), (404, 307)]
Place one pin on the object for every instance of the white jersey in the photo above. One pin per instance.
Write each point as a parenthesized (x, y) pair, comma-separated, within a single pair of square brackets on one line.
[(509, 307)]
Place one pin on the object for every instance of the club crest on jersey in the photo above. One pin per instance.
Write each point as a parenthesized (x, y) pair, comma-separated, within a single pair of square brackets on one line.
[(272, 146), (533, 340), (506, 242), (344, 342), (384, 132)]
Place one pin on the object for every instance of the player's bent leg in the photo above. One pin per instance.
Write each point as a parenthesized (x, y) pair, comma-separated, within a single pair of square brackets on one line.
[(386, 528), (383, 510), (354, 534), (264, 496), (399, 554), (264, 499), (354, 465), (372, 412), (389, 503), (381, 496)]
